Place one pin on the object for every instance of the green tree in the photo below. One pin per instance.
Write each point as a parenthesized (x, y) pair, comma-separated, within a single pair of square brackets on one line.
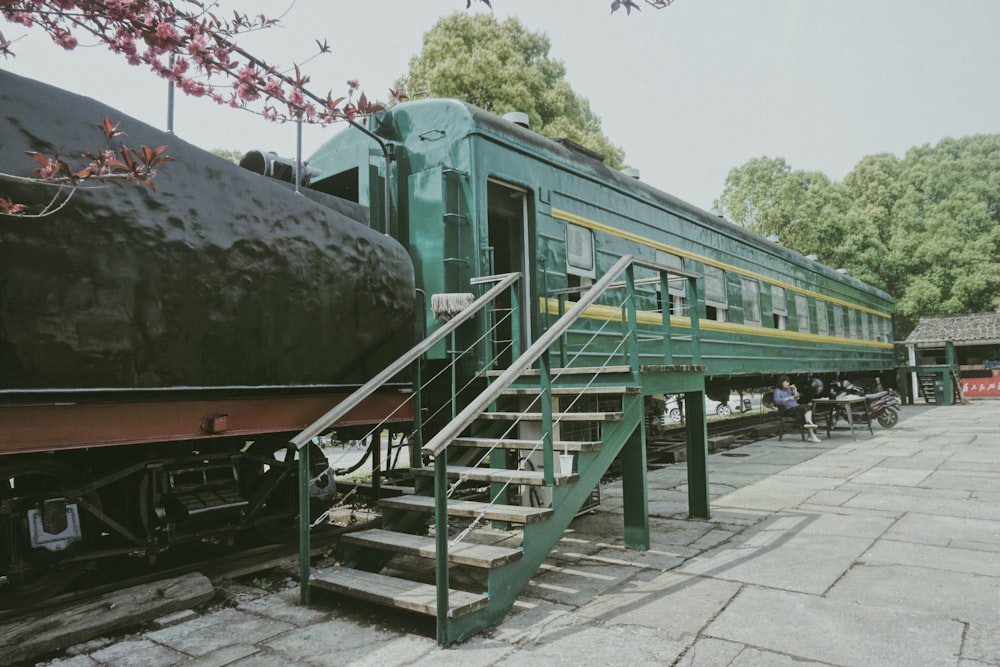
[(945, 244), (768, 197), (502, 67), (925, 228)]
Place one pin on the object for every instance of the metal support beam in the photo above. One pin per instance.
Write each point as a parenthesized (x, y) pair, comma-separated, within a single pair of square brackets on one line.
[(697, 455)]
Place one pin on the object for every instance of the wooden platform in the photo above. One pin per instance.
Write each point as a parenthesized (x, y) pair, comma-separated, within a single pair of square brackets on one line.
[(556, 416), (463, 553), (499, 475), (558, 446), (394, 592), (472, 509)]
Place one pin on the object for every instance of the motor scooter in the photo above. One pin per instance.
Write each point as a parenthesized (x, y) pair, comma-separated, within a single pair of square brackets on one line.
[(882, 405)]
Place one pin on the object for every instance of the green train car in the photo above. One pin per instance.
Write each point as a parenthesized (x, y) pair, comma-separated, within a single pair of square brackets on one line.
[(471, 194)]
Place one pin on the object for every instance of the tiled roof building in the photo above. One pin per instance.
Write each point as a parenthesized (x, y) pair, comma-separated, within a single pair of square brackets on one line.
[(978, 329)]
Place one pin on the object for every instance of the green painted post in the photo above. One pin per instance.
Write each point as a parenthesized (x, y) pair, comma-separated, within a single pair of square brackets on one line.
[(635, 497), (695, 313), (697, 455), (668, 357), (515, 322), (564, 339), (630, 311), (417, 441), (453, 352), (305, 562)]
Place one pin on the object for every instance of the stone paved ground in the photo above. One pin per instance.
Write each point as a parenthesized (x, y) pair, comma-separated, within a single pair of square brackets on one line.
[(883, 550)]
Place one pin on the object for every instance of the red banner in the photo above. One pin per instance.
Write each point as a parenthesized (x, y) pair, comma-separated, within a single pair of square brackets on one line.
[(982, 387)]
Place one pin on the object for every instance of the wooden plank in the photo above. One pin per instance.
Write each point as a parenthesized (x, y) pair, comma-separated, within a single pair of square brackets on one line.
[(556, 416), (558, 446), (572, 370), (500, 475), (53, 630), (472, 509), (475, 555), (574, 391), (394, 592)]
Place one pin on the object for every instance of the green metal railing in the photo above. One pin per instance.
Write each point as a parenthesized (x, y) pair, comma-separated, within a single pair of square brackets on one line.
[(410, 359), (538, 353)]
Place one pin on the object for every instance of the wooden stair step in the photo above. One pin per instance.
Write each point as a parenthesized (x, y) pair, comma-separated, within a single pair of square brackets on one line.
[(499, 475), (592, 390), (394, 592), (463, 553), (558, 446), (556, 416), (472, 509), (571, 370)]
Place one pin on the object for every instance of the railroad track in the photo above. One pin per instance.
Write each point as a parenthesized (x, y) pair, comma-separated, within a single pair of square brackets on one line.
[(727, 433), (229, 565)]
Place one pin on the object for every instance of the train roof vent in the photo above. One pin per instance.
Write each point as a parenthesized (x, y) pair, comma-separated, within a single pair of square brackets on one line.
[(773, 238), (842, 270), (632, 172), (518, 118), (582, 150), (813, 257)]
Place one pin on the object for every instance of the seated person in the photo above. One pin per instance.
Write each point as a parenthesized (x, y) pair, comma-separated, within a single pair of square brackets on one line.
[(786, 399)]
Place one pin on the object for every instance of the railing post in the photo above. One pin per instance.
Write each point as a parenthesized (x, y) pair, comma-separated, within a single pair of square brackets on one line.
[(417, 441), (564, 339), (454, 374), (630, 316), (441, 541), (694, 312), (516, 343), (305, 562), (548, 459), (668, 358)]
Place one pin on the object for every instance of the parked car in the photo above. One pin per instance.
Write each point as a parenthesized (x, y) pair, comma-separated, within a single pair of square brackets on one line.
[(673, 413)]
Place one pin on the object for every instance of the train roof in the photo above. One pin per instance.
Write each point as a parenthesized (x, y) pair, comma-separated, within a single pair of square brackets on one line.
[(411, 122)]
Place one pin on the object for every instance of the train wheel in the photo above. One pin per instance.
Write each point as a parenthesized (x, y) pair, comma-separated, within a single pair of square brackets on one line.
[(269, 479), (33, 573)]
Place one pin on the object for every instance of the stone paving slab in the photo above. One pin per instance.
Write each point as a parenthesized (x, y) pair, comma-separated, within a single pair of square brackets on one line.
[(882, 550), (837, 632)]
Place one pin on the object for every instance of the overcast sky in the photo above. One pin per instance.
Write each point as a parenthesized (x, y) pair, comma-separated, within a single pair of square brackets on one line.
[(689, 92)]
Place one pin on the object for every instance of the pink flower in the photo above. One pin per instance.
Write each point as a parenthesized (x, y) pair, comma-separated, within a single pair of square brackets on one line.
[(353, 85), (62, 37), (180, 66), (273, 88), (166, 32), (246, 92)]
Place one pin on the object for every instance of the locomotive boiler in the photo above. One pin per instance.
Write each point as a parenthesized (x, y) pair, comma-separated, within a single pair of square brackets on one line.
[(157, 348)]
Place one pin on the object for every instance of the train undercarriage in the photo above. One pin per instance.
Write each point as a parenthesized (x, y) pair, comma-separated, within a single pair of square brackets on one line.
[(77, 509)]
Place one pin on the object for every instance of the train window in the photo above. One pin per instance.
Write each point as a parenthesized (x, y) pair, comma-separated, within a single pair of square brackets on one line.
[(852, 324), (865, 333), (822, 319), (677, 287), (580, 252), (802, 311), (716, 303), (779, 307), (751, 301), (838, 320)]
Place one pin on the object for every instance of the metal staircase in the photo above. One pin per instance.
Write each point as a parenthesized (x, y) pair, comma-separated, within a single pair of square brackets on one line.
[(514, 435)]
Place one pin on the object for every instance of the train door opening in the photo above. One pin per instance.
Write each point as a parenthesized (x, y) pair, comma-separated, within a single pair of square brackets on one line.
[(508, 234)]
